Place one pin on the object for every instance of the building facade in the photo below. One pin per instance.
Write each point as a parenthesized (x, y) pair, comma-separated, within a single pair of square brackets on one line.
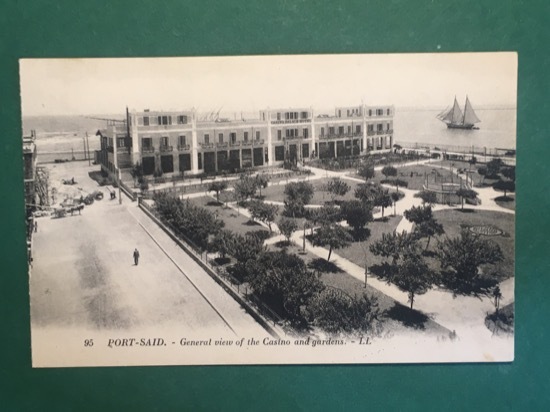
[(29, 170), (183, 142)]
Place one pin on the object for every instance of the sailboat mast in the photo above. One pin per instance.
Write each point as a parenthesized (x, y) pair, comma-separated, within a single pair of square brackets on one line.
[(464, 116)]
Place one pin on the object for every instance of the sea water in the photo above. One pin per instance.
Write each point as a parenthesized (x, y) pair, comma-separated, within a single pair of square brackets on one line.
[(497, 129), (63, 137)]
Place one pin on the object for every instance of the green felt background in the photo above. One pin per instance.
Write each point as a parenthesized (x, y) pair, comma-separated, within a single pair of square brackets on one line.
[(174, 28)]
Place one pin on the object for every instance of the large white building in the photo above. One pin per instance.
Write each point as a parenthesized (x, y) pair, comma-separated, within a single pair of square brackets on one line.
[(184, 141)]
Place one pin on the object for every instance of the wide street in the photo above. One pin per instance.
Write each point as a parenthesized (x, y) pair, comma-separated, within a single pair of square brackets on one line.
[(83, 275)]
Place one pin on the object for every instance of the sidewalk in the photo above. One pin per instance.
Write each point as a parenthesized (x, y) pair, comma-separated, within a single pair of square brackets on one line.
[(238, 319)]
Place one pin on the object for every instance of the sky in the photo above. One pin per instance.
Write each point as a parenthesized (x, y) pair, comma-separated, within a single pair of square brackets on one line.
[(252, 83)]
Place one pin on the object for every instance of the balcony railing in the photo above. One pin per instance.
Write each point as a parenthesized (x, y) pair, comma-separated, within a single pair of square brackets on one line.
[(222, 145), (157, 127), (384, 114), (371, 133), (289, 138), (166, 148), (182, 147), (147, 149), (235, 144), (290, 121), (340, 136), (207, 145)]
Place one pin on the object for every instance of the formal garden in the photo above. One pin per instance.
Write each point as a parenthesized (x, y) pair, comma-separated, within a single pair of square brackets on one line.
[(262, 234)]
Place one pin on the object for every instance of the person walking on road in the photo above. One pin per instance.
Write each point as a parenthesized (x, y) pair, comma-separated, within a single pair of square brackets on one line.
[(136, 256)]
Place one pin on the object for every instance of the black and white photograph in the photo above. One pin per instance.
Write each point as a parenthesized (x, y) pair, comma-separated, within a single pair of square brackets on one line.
[(279, 209)]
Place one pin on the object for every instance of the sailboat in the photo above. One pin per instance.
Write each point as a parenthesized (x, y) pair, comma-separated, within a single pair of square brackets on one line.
[(454, 118)]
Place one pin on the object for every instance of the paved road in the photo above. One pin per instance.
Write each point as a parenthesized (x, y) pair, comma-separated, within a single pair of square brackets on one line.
[(83, 275)]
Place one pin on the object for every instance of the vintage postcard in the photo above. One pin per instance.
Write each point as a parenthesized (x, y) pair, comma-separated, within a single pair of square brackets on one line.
[(270, 209)]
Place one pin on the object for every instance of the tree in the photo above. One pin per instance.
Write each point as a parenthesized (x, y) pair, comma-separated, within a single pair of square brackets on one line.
[(324, 214), (218, 187), (287, 227), (505, 186), (294, 208), (462, 258), (425, 223), (188, 221), (394, 245), (366, 171), (399, 182), (245, 188), (338, 313), (334, 236), (395, 198), (482, 172), (375, 194), (337, 187), (509, 172), (299, 190), (262, 181), (366, 191), (464, 193), (327, 214), (245, 249), (427, 196), (284, 281), (221, 243), (413, 276), (356, 213), (497, 296), (389, 171), (383, 200), (297, 195), (264, 212), (493, 167)]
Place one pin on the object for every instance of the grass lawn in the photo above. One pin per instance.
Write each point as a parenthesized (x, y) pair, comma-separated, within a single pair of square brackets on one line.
[(415, 175), (234, 222), (320, 196), (395, 317), (358, 252), (453, 219)]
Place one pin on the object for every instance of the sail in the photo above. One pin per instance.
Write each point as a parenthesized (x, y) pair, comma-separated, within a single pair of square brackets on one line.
[(469, 114), (443, 113), (454, 115)]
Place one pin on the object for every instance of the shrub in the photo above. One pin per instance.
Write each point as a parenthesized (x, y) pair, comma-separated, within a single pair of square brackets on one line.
[(337, 313)]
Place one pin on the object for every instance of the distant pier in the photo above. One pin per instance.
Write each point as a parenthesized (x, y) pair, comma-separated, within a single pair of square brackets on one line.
[(454, 152)]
